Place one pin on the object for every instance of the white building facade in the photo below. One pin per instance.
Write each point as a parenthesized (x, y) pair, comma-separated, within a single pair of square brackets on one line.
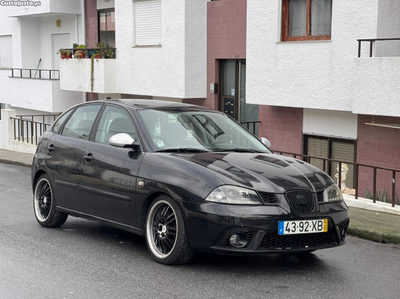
[(318, 93)]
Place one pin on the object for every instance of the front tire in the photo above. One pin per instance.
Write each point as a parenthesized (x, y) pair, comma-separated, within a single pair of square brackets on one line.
[(44, 205), (166, 234)]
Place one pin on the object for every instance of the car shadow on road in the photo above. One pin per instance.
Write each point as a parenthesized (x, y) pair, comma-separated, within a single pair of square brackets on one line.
[(128, 244)]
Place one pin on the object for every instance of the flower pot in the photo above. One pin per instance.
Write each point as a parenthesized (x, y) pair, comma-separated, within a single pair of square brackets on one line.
[(98, 56), (69, 55), (63, 55)]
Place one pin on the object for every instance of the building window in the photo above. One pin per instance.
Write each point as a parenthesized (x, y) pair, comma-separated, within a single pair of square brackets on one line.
[(332, 148), (147, 22), (107, 27), (6, 57), (306, 20)]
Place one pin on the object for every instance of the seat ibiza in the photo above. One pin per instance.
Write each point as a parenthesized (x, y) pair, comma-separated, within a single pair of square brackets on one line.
[(186, 178)]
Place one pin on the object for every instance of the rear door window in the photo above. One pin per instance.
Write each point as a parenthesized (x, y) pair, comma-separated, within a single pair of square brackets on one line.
[(81, 122)]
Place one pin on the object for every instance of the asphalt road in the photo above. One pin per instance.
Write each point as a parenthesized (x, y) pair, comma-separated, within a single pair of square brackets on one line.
[(88, 260)]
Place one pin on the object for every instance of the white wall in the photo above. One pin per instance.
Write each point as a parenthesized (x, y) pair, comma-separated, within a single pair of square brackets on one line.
[(32, 40), (177, 69), (388, 26), (102, 4), (315, 75), (377, 86), (47, 6), (330, 123), (76, 75)]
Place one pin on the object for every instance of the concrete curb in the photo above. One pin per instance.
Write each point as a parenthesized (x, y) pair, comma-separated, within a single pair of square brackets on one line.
[(4, 161), (374, 236)]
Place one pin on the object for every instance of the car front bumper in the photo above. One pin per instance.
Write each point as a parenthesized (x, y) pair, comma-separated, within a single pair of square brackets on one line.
[(211, 225)]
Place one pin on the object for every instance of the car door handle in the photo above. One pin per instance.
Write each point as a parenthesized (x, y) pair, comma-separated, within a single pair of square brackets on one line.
[(89, 158), (51, 148)]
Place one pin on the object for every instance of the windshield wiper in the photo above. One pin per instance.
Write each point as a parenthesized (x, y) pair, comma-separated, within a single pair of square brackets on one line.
[(183, 150), (238, 150)]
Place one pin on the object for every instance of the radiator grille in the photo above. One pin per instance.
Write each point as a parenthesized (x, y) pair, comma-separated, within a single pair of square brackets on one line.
[(300, 201)]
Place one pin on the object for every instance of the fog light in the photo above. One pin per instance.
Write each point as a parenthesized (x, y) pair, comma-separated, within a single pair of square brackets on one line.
[(238, 241)]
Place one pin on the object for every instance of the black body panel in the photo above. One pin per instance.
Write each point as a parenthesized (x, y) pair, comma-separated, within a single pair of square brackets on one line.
[(117, 185)]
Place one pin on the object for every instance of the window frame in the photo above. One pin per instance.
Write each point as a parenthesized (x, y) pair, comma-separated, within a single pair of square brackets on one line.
[(285, 25), (106, 24)]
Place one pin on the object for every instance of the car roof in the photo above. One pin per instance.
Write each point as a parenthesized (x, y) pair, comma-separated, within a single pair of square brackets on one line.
[(156, 104)]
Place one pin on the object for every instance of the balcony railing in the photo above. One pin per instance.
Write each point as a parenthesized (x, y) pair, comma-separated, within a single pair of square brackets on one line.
[(35, 74), (28, 130), (251, 126), (99, 53), (356, 166), (371, 43)]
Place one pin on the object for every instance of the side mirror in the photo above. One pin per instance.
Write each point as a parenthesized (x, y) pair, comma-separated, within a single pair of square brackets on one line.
[(266, 142), (122, 140)]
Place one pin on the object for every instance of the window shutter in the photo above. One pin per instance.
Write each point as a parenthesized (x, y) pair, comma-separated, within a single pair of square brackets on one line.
[(147, 22)]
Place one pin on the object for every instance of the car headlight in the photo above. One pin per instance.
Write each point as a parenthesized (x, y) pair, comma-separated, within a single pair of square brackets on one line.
[(234, 195), (333, 194)]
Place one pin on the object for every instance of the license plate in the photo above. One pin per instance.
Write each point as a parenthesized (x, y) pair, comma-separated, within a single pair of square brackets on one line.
[(296, 227)]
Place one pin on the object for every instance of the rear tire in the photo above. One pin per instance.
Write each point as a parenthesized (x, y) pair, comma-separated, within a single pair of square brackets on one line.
[(165, 231), (44, 204)]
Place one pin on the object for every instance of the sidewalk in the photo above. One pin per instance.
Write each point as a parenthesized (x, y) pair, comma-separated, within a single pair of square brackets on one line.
[(374, 226), (16, 158), (376, 222)]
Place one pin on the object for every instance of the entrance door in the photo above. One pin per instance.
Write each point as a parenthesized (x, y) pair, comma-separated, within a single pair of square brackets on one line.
[(60, 41), (233, 94)]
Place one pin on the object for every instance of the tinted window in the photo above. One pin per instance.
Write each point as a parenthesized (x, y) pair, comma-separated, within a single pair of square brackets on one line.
[(114, 121), (60, 121), (81, 122)]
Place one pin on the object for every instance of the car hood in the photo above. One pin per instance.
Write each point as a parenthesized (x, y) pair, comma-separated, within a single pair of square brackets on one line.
[(262, 172)]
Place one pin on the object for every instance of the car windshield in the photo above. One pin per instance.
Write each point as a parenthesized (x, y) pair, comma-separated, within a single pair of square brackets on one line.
[(191, 131)]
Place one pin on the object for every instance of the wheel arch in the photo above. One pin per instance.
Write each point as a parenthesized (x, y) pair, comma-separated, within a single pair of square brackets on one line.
[(38, 174), (147, 203)]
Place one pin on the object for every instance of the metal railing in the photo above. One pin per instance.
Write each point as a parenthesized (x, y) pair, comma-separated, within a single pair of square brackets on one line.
[(251, 125), (35, 74), (307, 158), (101, 53), (371, 43), (27, 130)]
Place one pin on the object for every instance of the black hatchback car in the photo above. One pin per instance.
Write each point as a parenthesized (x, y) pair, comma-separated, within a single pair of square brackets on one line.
[(187, 178)]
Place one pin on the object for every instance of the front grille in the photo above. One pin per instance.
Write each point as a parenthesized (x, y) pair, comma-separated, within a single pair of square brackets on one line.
[(300, 201), (273, 241), (268, 198), (223, 240), (320, 196)]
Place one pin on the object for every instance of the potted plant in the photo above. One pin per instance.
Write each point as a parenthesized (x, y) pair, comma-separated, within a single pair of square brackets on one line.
[(109, 52), (65, 54), (80, 53)]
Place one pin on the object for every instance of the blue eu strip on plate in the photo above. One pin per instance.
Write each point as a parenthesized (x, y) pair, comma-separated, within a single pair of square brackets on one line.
[(281, 228)]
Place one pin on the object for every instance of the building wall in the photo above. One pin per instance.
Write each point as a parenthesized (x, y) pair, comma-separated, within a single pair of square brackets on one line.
[(378, 146), (91, 22), (283, 127), (165, 71), (388, 26), (305, 74), (226, 39)]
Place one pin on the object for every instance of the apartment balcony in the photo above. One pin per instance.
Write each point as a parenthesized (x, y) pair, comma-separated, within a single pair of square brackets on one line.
[(48, 7), (376, 86), (36, 90), (86, 74)]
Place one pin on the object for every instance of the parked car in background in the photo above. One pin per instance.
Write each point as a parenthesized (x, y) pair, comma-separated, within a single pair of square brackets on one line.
[(187, 178)]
